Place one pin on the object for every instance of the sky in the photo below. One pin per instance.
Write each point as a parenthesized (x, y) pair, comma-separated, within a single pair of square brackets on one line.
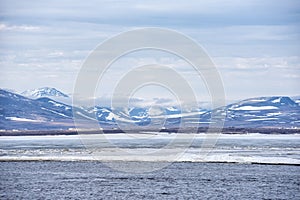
[(254, 44)]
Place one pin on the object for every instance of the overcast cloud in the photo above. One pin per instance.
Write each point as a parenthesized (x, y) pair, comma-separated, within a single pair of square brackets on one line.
[(255, 44)]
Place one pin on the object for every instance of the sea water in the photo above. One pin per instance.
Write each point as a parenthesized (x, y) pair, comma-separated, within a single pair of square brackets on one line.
[(253, 166), (180, 180)]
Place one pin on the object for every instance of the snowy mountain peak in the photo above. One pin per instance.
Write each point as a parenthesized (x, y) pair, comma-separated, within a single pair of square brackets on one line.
[(44, 92), (172, 109), (283, 101), (263, 103)]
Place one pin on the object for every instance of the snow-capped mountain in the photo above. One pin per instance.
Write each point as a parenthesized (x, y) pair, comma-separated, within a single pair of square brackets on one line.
[(21, 113), (43, 92), (173, 115), (104, 115), (140, 116), (136, 116), (261, 112), (296, 99)]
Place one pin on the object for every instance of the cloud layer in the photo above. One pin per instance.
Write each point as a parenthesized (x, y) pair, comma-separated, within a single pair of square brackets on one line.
[(255, 44)]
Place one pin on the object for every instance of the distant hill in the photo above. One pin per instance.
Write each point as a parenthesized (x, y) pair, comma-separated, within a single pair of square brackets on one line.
[(278, 111), (18, 112)]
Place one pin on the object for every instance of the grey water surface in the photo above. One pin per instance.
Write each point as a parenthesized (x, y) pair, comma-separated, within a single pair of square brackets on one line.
[(181, 180)]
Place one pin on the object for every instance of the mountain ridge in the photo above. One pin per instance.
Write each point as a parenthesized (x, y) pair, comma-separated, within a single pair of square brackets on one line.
[(22, 113)]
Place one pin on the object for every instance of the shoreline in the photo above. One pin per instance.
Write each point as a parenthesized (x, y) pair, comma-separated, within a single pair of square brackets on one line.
[(136, 161), (201, 130)]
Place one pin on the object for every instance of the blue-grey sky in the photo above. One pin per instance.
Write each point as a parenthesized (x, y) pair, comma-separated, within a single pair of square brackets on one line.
[(255, 44)]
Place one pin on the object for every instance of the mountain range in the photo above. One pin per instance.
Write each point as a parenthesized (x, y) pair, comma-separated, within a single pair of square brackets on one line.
[(37, 110)]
